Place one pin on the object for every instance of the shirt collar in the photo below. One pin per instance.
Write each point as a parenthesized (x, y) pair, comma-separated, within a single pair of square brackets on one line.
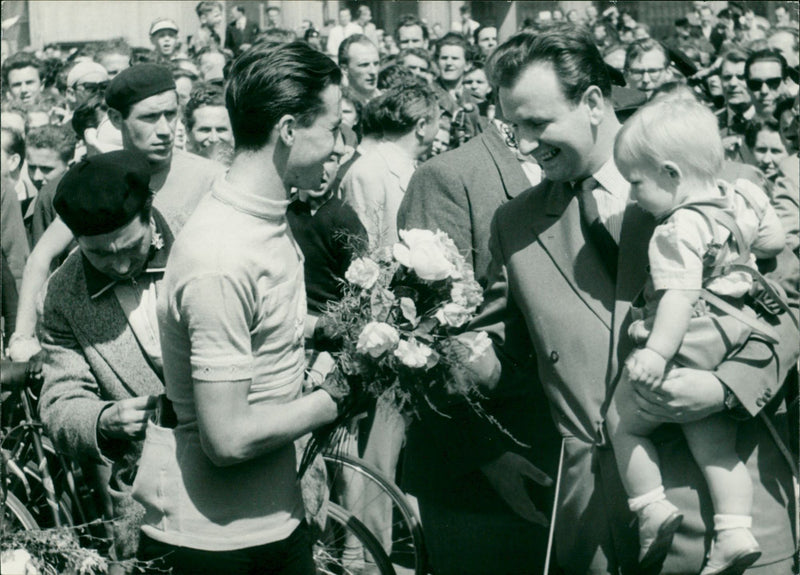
[(253, 204), (611, 180), (97, 283)]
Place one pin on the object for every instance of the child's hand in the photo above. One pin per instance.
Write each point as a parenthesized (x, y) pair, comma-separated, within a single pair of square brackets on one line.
[(646, 366)]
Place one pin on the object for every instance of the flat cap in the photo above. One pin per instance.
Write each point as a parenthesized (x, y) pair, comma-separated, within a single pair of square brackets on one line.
[(86, 72), (103, 193), (136, 83), (163, 24)]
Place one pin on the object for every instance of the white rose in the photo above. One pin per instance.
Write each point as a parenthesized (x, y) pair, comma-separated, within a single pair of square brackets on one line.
[(467, 294), (477, 342), (363, 272), (452, 314), (422, 252), (413, 354), (377, 338)]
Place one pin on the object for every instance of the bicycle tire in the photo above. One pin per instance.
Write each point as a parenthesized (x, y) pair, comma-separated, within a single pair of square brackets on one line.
[(14, 509), (402, 539), (331, 554)]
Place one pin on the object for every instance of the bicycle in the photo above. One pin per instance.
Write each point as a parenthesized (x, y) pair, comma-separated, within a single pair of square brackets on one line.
[(369, 491)]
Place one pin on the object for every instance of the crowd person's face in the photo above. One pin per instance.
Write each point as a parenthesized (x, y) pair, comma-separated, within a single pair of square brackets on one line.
[(274, 18), (212, 65), (364, 14), (487, 40), (314, 144), (165, 42), (211, 125), (476, 83), (150, 127), (349, 113), (733, 84), (114, 64), (212, 17), (121, 254), (452, 63), (785, 43), (647, 72), (706, 16), (410, 37), (790, 126), (769, 151), (44, 165), (24, 85), (329, 169), (764, 82), (345, 17), (558, 134), (362, 67), (599, 33), (431, 129), (10, 162), (781, 15), (418, 66)]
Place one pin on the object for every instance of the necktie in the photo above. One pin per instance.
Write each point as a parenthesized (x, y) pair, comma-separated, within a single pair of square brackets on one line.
[(738, 124), (597, 232)]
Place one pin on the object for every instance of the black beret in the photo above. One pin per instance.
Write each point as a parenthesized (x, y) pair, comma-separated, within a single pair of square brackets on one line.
[(103, 193), (136, 83)]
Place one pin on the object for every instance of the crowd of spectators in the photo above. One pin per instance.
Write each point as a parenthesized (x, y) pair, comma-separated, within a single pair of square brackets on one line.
[(407, 96)]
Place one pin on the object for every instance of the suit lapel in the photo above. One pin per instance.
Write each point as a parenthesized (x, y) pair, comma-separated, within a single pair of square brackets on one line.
[(558, 228), (637, 228), (514, 179), (112, 338)]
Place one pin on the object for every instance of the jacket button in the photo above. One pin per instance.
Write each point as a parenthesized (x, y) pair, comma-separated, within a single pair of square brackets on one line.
[(760, 402), (554, 356)]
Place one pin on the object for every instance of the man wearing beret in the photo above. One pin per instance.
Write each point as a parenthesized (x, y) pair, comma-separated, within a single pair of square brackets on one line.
[(102, 354)]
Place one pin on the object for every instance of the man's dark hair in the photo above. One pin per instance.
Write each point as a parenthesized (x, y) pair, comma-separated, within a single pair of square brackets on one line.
[(407, 21), (344, 47), (268, 82), (118, 46), (203, 94), (756, 126), (783, 104), (639, 47), (15, 143), (734, 55), (19, 61), (60, 139), (394, 75), (768, 55), (275, 35), (451, 39), (273, 9), (568, 48)]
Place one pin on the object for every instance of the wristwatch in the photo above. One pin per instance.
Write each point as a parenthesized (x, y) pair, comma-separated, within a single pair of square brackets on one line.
[(731, 402)]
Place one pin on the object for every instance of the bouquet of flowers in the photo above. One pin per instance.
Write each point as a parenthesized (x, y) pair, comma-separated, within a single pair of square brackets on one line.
[(399, 326)]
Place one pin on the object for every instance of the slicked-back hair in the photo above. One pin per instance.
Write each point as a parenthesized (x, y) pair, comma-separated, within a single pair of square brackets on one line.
[(567, 47), (203, 94), (768, 55), (344, 47), (640, 47), (270, 81)]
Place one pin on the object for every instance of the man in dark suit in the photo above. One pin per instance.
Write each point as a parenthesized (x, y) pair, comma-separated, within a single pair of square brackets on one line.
[(557, 293), (240, 33), (451, 463)]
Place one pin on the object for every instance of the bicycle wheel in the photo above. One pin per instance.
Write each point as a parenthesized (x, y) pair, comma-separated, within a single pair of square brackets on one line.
[(347, 547), (380, 505), (16, 517)]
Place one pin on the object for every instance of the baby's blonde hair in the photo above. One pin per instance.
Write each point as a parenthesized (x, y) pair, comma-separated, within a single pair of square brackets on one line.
[(678, 130)]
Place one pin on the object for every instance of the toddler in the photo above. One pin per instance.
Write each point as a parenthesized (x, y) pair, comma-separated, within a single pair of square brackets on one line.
[(690, 313)]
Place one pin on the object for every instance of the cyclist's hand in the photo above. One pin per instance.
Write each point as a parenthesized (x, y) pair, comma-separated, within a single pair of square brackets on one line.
[(22, 348), (509, 475), (127, 418)]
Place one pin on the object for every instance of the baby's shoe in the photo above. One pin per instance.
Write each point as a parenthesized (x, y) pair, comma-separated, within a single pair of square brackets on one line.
[(658, 521), (734, 548)]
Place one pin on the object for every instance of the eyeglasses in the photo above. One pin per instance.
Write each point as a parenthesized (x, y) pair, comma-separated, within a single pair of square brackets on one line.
[(640, 72), (93, 87), (772, 83)]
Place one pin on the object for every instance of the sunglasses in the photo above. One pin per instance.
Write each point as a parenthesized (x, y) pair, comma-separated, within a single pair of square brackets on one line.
[(772, 83), (93, 86)]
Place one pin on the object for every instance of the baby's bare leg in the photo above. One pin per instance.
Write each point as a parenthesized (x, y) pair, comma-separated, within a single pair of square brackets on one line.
[(713, 444)]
